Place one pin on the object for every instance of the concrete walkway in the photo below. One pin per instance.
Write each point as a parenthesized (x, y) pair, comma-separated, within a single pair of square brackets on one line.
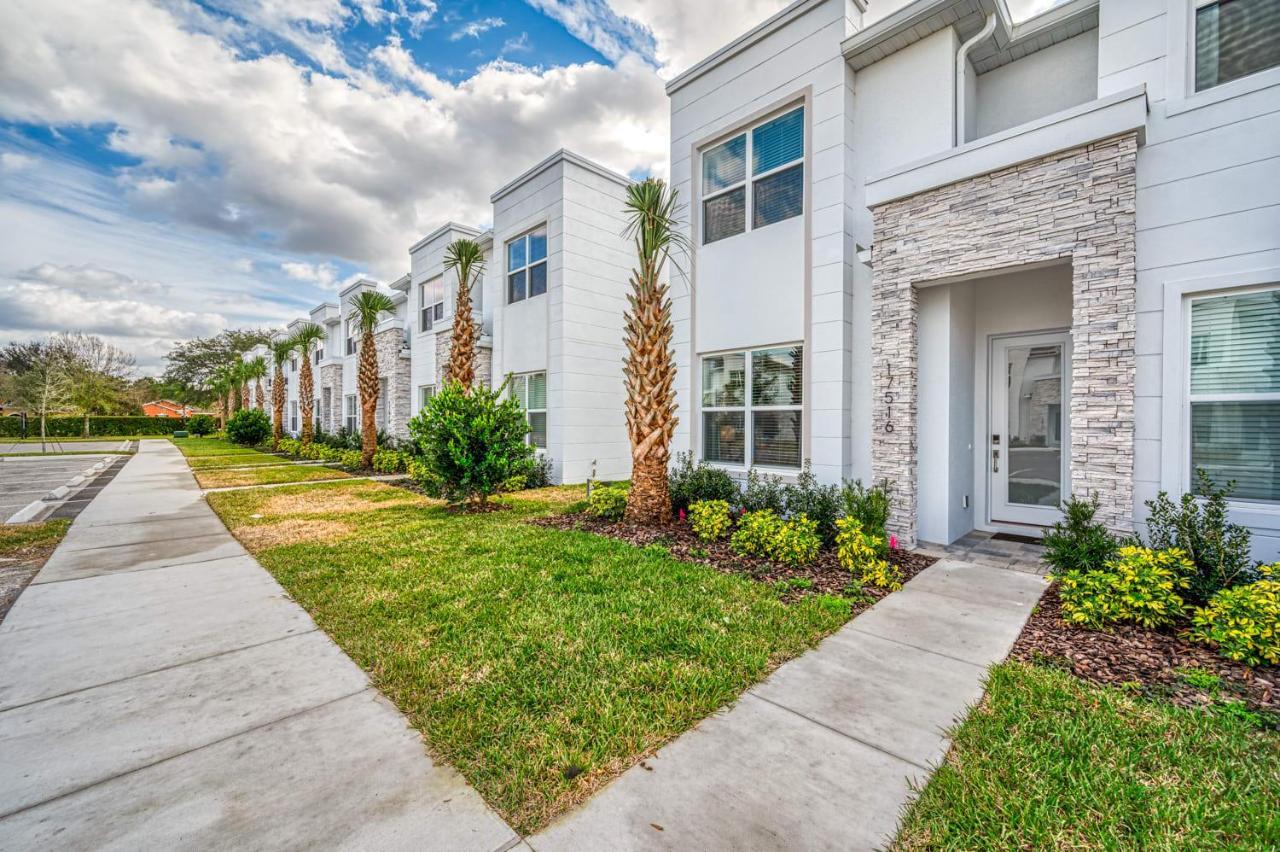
[(159, 690), (821, 755)]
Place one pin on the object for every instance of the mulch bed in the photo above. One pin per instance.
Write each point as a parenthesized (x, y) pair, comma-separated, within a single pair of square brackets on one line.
[(825, 575), (1153, 659)]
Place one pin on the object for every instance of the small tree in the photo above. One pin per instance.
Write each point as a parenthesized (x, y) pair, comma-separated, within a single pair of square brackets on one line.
[(369, 306), (200, 425), (650, 368), (249, 427), (466, 259), (305, 340), (280, 351), (97, 374), (254, 370), (43, 382), (472, 443)]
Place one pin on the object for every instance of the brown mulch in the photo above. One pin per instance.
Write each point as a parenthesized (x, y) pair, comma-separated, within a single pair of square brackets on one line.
[(1154, 659), (825, 574)]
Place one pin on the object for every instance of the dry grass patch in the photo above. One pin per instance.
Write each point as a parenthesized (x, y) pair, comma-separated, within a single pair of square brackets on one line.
[(261, 536), (266, 476), (352, 497)]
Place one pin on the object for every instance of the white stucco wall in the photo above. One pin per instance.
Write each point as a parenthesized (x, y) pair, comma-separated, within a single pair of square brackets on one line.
[(1047, 81)]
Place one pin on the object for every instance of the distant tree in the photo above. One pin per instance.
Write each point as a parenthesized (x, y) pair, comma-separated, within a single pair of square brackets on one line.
[(368, 307), (98, 375), (255, 369), (192, 364), (466, 259), (44, 383), (305, 340)]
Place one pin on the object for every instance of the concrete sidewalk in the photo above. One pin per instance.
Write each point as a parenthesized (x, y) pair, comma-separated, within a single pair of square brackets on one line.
[(821, 755), (159, 690)]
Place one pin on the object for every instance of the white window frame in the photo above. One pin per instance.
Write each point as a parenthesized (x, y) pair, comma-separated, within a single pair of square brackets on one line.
[(293, 364), (524, 377), (1175, 428), (351, 333), (293, 416), (431, 313), (747, 408), (425, 394), (380, 411), (351, 412), (1180, 74), (528, 265), (750, 178), (319, 353)]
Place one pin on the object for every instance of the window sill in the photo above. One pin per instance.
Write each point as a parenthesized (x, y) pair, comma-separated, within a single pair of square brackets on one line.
[(1224, 92)]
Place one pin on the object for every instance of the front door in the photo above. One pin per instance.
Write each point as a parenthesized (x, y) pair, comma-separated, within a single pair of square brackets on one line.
[(1029, 440)]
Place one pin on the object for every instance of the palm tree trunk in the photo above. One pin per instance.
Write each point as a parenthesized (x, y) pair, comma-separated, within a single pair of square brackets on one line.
[(277, 403), (305, 402), (462, 343), (259, 397), (368, 382), (244, 395), (86, 425), (649, 378)]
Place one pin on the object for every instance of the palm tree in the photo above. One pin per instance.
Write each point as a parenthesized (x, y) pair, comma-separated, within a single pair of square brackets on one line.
[(305, 340), (466, 258), (369, 306), (254, 369), (221, 387), (649, 368), (280, 352), (242, 371)]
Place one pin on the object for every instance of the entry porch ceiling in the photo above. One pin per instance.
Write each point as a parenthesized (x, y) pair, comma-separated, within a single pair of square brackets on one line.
[(1008, 43)]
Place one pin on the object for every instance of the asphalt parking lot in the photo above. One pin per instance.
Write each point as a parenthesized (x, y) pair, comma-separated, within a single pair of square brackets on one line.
[(24, 480)]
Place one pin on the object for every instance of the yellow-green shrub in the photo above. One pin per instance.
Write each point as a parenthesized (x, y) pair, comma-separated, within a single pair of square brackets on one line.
[(1140, 585), (290, 446), (859, 551), (608, 501), (710, 519), (1244, 621), (764, 534)]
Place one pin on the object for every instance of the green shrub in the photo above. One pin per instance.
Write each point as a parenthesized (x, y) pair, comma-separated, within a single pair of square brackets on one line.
[(862, 552), (710, 519), (389, 461), (290, 446), (691, 482), (312, 451), (1140, 586), (763, 492), (350, 459), (1244, 621), (539, 475), (820, 503), (1078, 542), (1198, 526), (248, 427), (472, 441), (764, 534), (608, 501), (107, 426), (869, 507), (201, 425)]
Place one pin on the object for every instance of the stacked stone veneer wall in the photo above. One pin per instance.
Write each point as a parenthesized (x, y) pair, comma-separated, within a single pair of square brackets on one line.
[(1075, 206), (393, 368), (331, 379), (484, 359)]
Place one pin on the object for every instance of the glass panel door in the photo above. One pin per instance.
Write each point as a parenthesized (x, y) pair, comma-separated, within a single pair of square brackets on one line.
[(1029, 445)]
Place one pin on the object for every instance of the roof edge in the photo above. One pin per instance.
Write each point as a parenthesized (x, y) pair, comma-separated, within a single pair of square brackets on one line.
[(567, 156), (447, 226)]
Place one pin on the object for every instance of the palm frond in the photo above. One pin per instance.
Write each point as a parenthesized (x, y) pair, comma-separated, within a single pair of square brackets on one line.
[(369, 306), (306, 337), (654, 222)]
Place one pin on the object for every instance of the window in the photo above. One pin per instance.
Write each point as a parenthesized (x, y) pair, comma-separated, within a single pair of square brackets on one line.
[(1235, 38), (527, 265), (351, 417), (530, 390), (293, 364), (752, 407), (775, 151), (431, 303), (293, 416), (1235, 392), (380, 410), (353, 334), (425, 394), (319, 354)]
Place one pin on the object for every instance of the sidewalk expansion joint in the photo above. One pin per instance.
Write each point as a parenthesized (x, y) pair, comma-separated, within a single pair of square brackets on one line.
[(982, 666)]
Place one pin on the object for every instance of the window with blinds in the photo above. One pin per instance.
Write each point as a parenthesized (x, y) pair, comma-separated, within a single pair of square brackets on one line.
[(770, 190), (431, 302), (752, 407), (530, 390), (527, 265), (1235, 392), (1235, 38)]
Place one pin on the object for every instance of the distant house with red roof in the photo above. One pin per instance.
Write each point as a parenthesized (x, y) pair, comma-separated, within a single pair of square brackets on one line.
[(168, 408)]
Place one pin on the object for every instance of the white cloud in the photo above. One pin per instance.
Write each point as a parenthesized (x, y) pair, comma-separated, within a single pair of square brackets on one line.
[(476, 28), (516, 44), (11, 161)]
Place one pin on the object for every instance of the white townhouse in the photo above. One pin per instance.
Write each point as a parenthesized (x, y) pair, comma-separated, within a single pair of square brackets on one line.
[(997, 261), (549, 307)]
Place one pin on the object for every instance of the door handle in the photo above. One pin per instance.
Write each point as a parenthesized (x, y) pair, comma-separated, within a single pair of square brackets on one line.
[(995, 461)]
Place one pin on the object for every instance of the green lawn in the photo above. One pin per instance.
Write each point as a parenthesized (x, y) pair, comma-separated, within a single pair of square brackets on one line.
[(1051, 762), (263, 475), (17, 540), (191, 447), (249, 457), (538, 662)]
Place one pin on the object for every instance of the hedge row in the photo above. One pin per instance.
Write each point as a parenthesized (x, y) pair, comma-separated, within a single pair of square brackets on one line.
[(73, 427)]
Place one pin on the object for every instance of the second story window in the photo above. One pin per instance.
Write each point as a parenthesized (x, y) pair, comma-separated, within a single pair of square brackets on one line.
[(755, 177), (1235, 38), (527, 265), (293, 364), (353, 335), (431, 302), (319, 354)]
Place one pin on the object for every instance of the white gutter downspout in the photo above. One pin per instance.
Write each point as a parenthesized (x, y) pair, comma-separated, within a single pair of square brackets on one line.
[(962, 71)]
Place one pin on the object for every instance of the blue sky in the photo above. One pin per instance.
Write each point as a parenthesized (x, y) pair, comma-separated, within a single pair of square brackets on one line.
[(171, 168)]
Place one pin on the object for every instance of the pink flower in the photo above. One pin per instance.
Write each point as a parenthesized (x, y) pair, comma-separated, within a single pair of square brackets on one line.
[(893, 542), (682, 514)]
